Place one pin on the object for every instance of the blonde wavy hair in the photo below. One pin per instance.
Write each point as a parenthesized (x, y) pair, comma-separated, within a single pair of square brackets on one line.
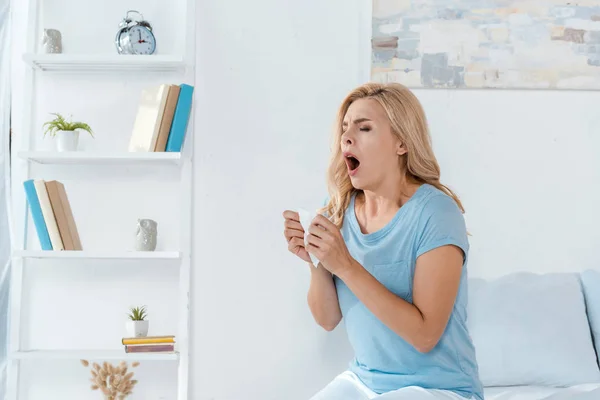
[(408, 123)]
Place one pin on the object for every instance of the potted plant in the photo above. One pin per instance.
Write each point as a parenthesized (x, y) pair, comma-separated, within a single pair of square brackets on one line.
[(137, 326), (67, 132)]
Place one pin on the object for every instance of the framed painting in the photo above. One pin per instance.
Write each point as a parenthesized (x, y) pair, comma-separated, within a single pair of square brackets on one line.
[(526, 44)]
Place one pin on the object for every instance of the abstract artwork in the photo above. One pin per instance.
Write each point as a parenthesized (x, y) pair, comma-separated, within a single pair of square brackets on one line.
[(535, 44)]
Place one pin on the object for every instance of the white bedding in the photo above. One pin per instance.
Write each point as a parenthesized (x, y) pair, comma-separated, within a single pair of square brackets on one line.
[(579, 392)]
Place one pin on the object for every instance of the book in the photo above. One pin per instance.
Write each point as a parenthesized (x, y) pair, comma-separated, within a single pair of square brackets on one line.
[(148, 340), (149, 348), (180, 119), (64, 215), (37, 215), (70, 219), (167, 120), (48, 213), (148, 119)]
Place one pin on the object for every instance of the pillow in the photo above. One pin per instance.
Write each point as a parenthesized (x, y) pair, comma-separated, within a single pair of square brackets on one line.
[(531, 329), (590, 280)]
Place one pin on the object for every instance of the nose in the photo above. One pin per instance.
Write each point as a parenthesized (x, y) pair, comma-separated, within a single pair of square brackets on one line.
[(347, 138)]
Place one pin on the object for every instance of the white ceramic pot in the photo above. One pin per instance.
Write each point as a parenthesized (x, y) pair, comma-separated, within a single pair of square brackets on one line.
[(67, 140), (137, 328)]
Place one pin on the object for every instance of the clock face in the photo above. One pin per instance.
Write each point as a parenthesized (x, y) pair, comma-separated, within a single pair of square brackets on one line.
[(142, 41)]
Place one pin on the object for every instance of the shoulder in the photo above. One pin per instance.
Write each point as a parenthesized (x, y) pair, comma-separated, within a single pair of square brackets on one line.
[(440, 221), (436, 204)]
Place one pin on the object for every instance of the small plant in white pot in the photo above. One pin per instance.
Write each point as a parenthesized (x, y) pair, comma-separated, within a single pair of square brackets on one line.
[(137, 325), (66, 132)]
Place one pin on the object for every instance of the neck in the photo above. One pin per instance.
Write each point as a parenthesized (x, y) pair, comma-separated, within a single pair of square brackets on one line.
[(388, 198)]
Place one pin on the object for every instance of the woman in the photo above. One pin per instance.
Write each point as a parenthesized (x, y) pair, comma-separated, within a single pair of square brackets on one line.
[(393, 256)]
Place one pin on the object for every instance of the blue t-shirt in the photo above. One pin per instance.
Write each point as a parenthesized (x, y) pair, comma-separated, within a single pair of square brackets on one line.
[(383, 360)]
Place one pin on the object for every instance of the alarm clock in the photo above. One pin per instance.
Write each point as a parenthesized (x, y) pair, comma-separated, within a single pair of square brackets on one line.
[(135, 36)]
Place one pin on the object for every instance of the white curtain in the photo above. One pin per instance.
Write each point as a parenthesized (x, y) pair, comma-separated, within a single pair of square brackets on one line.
[(5, 236)]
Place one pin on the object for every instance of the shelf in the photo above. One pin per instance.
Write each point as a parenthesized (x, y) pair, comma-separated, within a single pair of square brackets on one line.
[(99, 255), (108, 158), (104, 62), (91, 355)]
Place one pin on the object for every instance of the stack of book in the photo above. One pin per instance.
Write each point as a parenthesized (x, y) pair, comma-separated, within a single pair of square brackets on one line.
[(162, 118), (149, 344), (52, 215)]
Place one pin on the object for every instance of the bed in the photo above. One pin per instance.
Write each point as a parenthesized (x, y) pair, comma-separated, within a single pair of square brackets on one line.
[(537, 336), (577, 392)]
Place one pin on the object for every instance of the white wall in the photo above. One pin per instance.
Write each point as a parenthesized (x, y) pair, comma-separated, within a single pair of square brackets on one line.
[(272, 74)]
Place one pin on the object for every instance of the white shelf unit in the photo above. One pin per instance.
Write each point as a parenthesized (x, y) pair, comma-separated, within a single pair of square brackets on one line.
[(99, 158), (120, 68)]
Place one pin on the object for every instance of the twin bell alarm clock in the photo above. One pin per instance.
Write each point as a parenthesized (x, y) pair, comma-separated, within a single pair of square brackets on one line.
[(135, 36)]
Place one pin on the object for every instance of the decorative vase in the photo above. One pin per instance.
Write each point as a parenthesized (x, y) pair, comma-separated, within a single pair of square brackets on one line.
[(52, 41), (145, 236), (137, 328), (67, 140)]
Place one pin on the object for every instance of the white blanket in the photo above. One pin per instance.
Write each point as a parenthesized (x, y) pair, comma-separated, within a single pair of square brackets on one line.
[(579, 392)]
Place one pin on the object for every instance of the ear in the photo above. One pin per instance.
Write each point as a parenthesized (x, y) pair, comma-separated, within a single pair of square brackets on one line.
[(401, 149)]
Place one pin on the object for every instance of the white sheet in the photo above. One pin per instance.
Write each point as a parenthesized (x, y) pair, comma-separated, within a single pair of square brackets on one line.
[(579, 392)]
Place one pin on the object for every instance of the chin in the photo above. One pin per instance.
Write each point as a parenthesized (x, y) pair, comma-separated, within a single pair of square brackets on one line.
[(358, 183)]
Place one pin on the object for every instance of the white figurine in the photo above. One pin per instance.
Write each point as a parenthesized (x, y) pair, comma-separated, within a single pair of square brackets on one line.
[(145, 238), (52, 41)]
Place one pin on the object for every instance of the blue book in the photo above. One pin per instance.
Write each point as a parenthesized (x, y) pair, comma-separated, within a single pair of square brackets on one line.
[(180, 118), (36, 215)]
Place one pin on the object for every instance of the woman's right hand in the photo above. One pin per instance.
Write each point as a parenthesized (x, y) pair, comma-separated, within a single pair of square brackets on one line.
[(322, 295), (294, 234)]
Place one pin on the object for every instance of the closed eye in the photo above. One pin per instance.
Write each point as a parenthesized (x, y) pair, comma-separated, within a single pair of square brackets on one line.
[(365, 129)]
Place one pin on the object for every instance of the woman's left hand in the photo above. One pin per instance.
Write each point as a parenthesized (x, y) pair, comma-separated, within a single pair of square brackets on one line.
[(327, 244)]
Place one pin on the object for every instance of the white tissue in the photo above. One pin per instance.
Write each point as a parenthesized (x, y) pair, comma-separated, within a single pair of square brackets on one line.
[(306, 218)]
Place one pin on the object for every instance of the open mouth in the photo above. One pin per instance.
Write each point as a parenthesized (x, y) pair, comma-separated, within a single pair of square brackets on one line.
[(352, 162)]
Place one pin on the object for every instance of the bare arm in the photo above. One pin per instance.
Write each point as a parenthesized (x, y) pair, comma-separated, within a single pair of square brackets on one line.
[(323, 300), (435, 286), (322, 294)]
